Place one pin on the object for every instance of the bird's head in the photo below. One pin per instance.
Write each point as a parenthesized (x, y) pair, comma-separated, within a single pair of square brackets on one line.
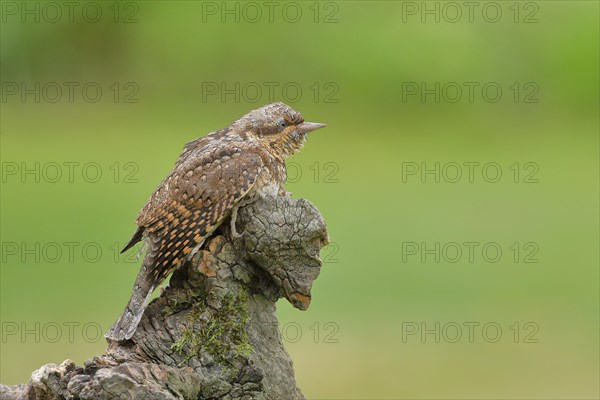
[(277, 127)]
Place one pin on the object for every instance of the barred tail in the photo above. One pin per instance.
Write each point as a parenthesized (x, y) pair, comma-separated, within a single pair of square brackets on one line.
[(149, 277), (127, 323)]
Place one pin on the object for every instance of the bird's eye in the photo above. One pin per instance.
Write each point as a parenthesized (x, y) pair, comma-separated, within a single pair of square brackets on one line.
[(282, 124)]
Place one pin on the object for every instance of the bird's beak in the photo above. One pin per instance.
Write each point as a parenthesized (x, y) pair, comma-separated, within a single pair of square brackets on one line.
[(310, 126)]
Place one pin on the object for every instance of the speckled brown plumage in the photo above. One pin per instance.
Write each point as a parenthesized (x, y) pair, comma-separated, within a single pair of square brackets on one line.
[(213, 176)]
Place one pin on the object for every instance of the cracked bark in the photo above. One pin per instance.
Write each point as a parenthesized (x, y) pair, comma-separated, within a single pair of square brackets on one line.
[(213, 333)]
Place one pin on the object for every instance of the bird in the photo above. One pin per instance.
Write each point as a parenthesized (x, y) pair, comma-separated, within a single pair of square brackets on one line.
[(213, 177)]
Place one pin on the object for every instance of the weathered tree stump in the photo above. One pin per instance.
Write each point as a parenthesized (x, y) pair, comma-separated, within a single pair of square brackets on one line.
[(213, 332)]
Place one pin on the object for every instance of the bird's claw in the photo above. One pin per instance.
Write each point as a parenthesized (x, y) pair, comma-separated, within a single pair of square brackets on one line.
[(234, 232)]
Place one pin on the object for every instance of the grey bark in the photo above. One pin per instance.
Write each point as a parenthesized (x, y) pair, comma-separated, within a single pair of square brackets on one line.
[(212, 333)]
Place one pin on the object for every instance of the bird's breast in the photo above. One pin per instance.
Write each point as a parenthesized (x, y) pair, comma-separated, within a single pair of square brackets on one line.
[(270, 180)]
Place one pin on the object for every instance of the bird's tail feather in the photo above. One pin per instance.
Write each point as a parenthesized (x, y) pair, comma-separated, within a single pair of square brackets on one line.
[(127, 323)]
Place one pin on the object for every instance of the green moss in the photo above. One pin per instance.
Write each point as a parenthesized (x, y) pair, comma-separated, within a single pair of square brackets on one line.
[(222, 335)]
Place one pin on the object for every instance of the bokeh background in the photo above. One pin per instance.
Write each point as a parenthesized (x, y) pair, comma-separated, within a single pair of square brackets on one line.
[(167, 73)]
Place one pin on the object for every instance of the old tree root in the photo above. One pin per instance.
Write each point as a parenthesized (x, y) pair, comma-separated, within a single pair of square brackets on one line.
[(213, 333)]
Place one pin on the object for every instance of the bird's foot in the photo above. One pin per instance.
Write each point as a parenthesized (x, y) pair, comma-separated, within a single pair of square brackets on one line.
[(234, 233)]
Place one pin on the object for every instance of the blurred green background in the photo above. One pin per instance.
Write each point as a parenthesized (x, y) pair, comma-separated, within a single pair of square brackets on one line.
[(157, 65)]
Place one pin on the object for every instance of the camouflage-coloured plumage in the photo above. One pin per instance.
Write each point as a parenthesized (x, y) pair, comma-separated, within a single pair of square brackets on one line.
[(213, 175)]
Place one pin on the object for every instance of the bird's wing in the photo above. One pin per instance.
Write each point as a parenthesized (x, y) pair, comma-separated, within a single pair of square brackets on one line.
[(193, 201), (151, 212)]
